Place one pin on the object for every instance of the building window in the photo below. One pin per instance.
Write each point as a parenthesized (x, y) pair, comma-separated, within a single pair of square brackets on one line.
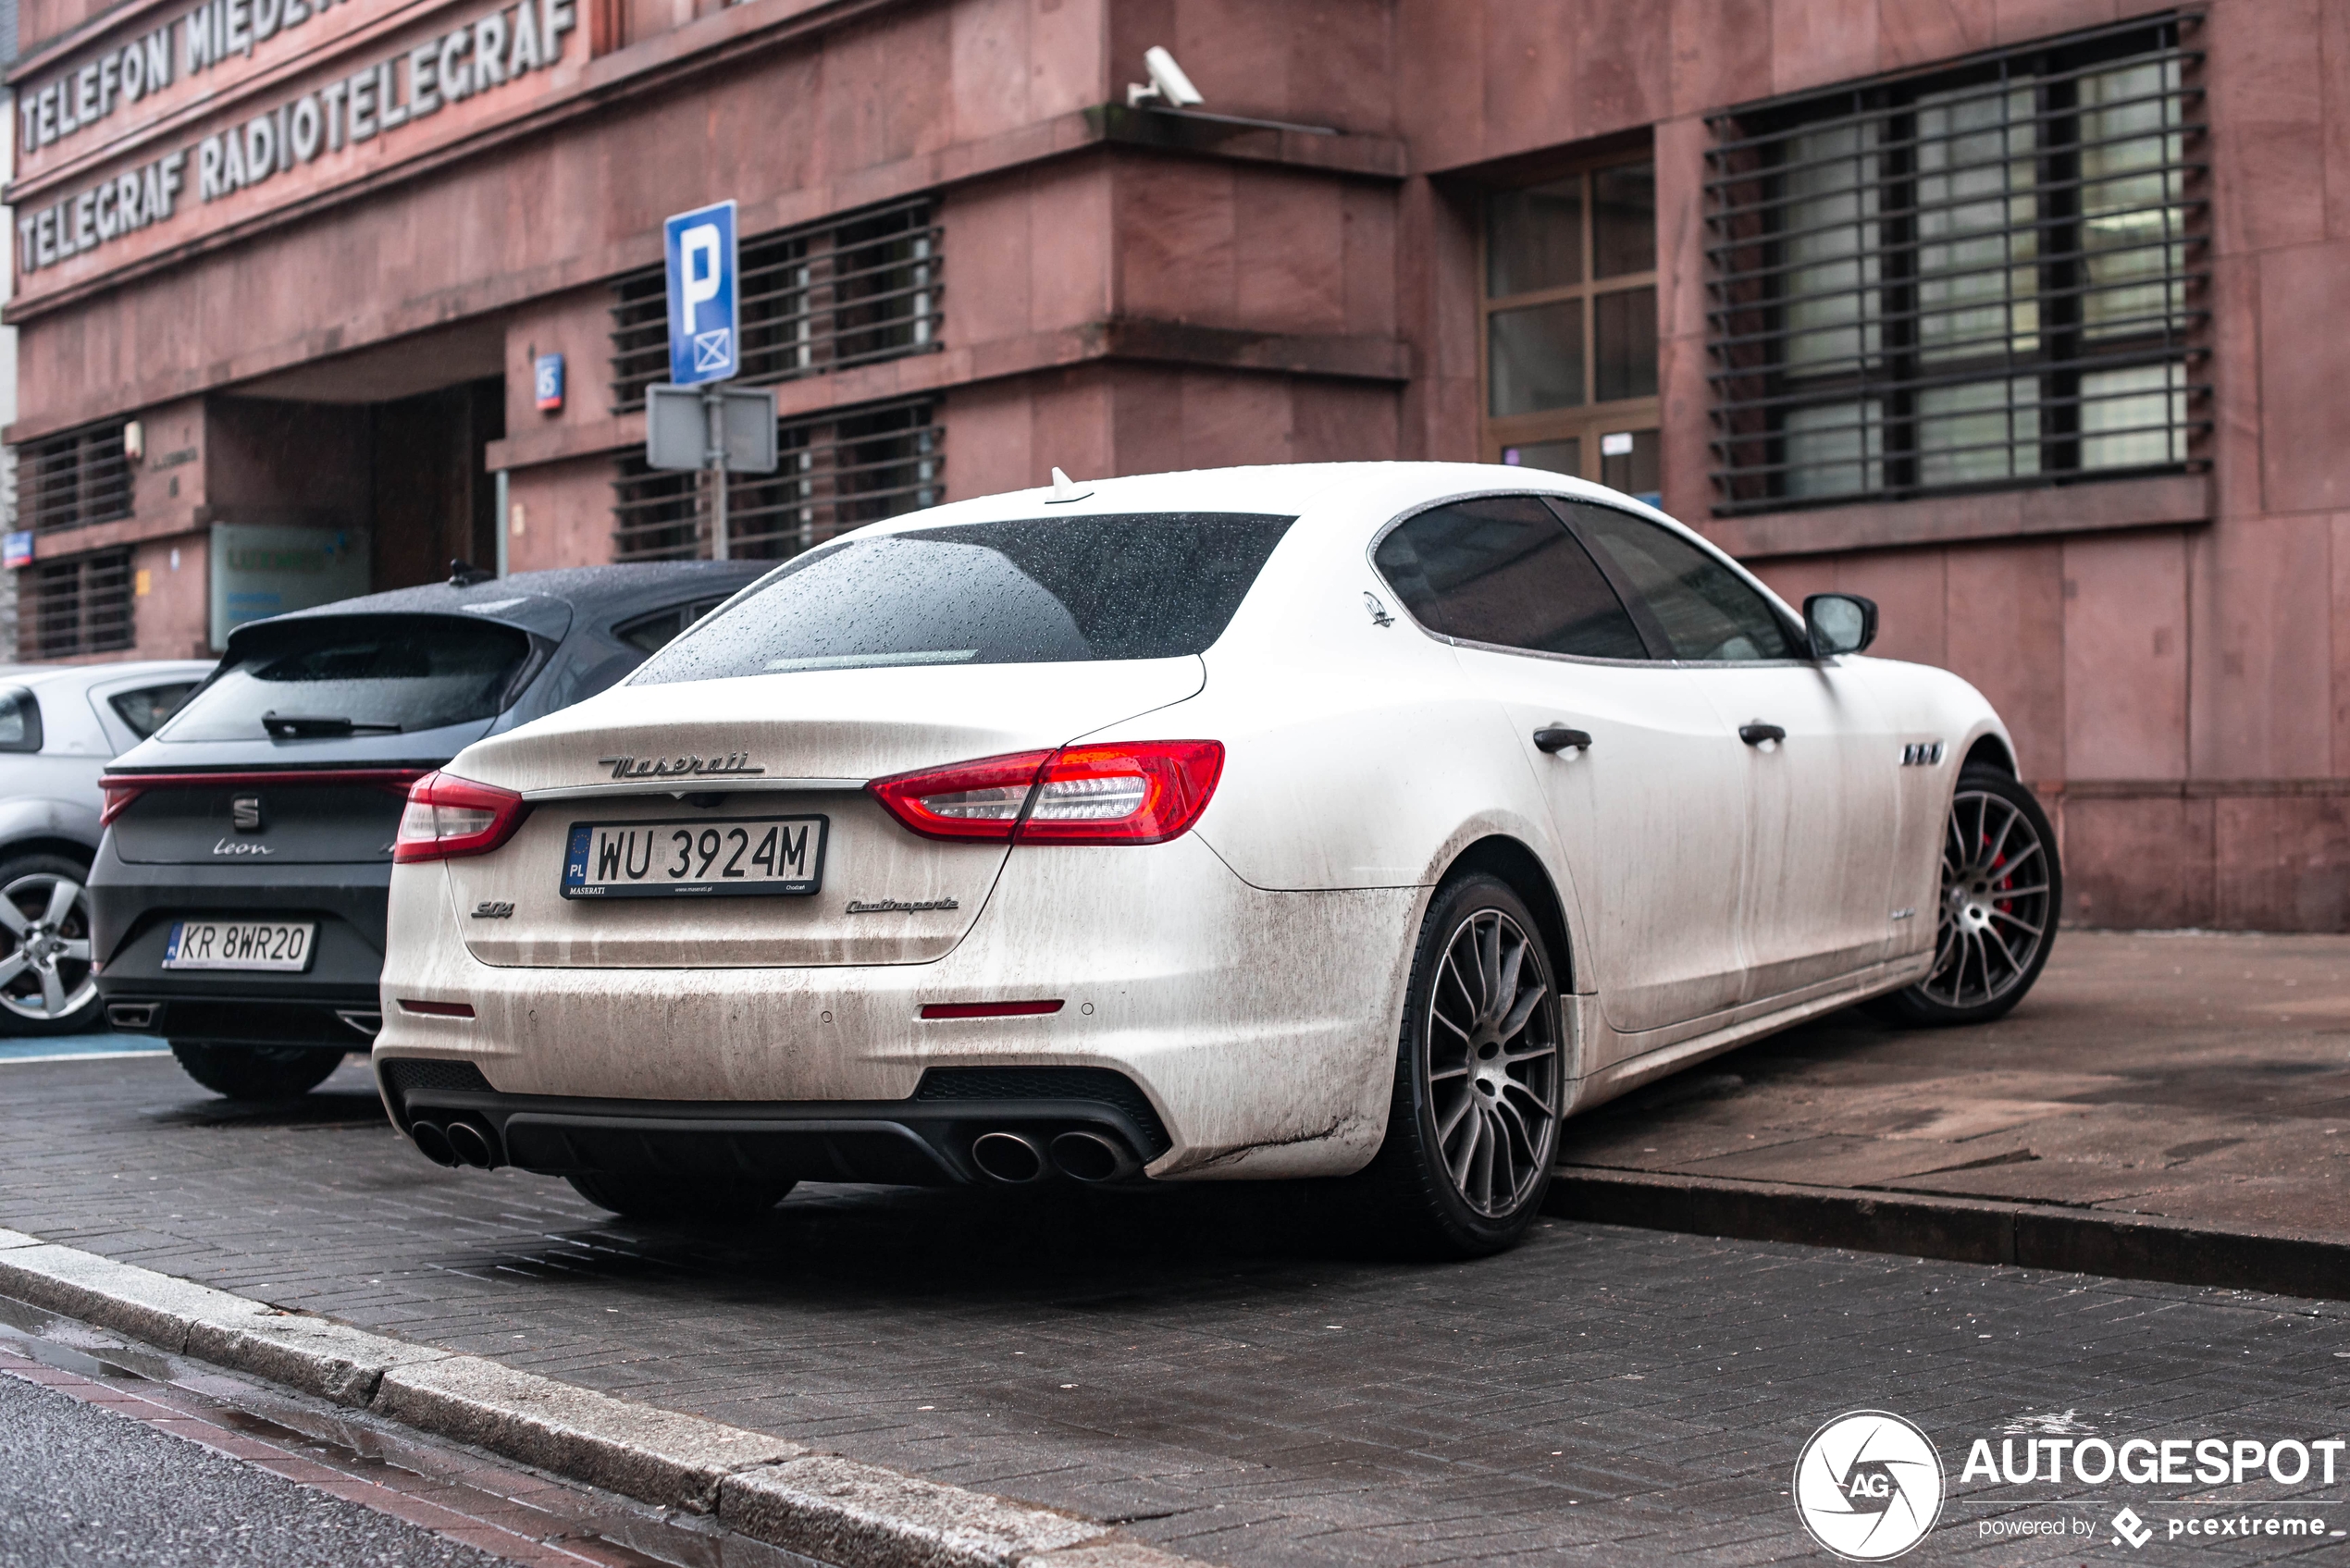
[(848, 292), (1569, 270), (1984, 278), (839, 470), (80, 605), (72, 480)]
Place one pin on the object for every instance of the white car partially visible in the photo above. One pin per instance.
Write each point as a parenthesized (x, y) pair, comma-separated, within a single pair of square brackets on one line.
[(60, 724), (1355, 820)]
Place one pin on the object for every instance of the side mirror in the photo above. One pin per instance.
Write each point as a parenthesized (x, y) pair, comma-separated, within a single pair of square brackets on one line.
[(1839, 624)]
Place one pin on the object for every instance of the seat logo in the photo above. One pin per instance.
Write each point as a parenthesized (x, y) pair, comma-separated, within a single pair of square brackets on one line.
[(1869, 1486), (733, 762), (245, 813)]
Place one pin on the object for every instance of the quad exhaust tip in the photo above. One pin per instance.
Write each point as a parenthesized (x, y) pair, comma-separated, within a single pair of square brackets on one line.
[(1089, 1156), (454, 1143), (1010, 1157)]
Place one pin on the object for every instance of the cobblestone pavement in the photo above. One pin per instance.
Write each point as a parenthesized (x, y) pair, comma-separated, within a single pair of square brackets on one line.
[(2198, 1076), (1217, 1367)]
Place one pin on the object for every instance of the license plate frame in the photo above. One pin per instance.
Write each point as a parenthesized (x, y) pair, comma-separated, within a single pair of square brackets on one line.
[(230, 947), (580, 847)]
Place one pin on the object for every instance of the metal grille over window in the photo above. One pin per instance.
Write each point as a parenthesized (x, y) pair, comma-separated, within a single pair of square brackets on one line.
[(72, 480), (848, 292), (1989, 276), (72, 607), (839, 470)]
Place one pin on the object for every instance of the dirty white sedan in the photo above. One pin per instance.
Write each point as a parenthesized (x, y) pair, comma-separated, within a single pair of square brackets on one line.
[(1260, 823)]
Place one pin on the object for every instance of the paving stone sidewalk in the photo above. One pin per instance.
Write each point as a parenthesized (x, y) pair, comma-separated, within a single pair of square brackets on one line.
[(1210, 1366), (2199, 1077)]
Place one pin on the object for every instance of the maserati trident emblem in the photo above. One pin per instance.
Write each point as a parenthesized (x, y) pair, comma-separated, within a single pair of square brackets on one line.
[(245, 813), (735, 764)]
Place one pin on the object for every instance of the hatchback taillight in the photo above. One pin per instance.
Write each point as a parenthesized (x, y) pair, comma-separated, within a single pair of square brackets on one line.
[(448, 816), (1137, 792)]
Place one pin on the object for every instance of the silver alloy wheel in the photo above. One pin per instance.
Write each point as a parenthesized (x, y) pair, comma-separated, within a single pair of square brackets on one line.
[(1492, 1063), (1994, 902), (45, 947)]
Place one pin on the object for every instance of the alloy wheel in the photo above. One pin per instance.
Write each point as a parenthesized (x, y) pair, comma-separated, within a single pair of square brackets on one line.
[(1492, 1059), (45, 947), (1995, 911)]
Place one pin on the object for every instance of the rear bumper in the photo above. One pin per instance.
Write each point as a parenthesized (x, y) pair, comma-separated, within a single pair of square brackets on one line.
[(1083, 1124), (1258, 1026), (333, 1002)]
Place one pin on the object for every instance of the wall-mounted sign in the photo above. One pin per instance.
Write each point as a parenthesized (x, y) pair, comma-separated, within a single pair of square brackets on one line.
[(547, 381), (261, 568), (498, 46), (20, 549)]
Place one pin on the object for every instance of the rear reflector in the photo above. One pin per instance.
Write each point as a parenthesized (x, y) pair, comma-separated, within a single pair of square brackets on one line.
[(988, 1010), (448, 816), (1136, 792), (123, 788), (437, 1010)]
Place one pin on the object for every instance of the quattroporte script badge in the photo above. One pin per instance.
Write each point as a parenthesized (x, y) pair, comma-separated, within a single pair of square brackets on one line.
[(1869, 1486)]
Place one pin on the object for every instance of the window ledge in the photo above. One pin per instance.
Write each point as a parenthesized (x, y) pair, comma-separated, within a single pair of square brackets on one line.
[(2170, 501)]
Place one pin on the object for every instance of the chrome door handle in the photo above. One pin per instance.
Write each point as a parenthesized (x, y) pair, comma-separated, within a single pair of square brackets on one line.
[(1757, 732), (1554, 738)]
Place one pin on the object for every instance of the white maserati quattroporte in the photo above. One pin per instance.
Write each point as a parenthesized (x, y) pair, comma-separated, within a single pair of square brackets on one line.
[(1351, 821)]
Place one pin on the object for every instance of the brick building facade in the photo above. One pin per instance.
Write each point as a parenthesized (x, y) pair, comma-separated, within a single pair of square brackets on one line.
[(2011, 313)]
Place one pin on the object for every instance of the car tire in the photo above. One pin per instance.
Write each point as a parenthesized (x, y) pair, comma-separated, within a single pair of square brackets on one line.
[(1995, 912), (256, 1072), (663, 1197), (1472, 1129), (49, 989)]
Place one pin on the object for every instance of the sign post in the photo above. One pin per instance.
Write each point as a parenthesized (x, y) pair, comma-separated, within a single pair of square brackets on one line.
[(705, 343)]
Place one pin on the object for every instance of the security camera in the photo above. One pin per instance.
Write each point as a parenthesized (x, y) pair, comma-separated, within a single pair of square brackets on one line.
[(1169, 85)]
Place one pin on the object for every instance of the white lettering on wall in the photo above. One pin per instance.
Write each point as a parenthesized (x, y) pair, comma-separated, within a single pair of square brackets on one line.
[(497, 47)]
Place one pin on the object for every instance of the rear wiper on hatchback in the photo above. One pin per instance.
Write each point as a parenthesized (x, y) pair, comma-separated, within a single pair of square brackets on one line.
[(289, 726)]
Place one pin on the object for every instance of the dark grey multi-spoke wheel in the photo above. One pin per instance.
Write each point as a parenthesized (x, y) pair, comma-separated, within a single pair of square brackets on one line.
[(2002, 891), (1473, 1127)]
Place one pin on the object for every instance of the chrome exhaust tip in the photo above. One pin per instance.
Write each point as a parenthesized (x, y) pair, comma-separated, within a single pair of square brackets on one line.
[(132, 1015), (470, 1145), (1089, 1156), (1010, 1157), (366, 1020), (432, 1143)]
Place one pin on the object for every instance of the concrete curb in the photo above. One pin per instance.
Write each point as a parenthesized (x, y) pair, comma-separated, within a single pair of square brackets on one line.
[(835, 1509), (1959, 1230)]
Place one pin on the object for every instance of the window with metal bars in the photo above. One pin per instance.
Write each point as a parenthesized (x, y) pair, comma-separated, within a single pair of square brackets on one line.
[(67, 481), (79, 605), (850, 291), (839, 471), (1984, 278)]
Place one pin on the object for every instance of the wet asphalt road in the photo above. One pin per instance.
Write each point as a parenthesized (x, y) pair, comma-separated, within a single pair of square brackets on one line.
[(81, 1487)]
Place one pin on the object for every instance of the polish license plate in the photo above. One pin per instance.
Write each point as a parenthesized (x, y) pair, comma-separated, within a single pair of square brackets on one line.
[(698, 859), (281, 945)]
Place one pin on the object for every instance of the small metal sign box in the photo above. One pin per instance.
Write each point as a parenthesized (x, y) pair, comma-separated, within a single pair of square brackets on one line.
[(705, 319), (679, 432)]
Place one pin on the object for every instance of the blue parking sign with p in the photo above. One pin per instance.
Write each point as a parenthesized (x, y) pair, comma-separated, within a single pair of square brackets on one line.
[(703, 325)]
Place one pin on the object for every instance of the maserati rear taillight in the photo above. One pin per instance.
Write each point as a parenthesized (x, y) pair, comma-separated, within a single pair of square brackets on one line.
[(448, 816), (1135, 792)]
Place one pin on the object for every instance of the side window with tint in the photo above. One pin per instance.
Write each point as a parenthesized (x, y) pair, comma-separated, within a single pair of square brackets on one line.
[(145, 709), (20, 720), (1706, 611), (1503, 570)]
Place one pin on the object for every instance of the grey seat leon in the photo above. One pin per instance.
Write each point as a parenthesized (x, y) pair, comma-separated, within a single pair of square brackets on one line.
[(238, 895)]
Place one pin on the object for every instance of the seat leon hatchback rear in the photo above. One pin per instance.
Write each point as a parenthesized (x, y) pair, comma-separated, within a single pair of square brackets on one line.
[(238, 895)]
